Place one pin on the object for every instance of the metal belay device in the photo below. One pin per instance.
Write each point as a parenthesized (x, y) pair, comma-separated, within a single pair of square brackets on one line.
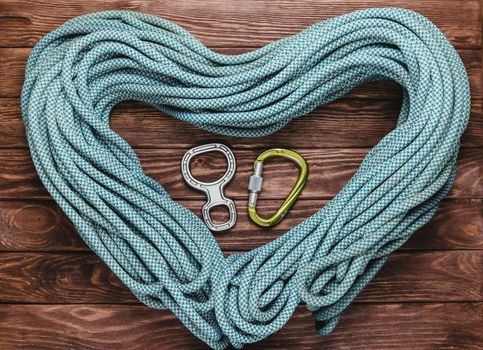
[(213, 190)]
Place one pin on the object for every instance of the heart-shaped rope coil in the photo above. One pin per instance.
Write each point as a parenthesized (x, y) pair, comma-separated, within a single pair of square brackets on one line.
[(161, 250)]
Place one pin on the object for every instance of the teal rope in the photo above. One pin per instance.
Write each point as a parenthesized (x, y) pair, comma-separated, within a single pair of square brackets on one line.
[(161, 250)]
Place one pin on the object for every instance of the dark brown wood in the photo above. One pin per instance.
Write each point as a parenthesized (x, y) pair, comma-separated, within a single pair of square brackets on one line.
[(13, 60), (330, 169), (420, 326), (330, 126), (56, 294), (59, 278), (227, 24), (36, 226), (84, 278), (41, 226), (455, 222)]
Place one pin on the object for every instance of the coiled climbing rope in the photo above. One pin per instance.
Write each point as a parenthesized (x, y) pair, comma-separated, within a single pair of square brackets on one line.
[(161, 250)]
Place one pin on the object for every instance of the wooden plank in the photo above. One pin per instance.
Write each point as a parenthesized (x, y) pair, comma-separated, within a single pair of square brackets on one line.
[(59, 278), (84, 278), (41, 226), (13, 60), (376, 327), (428, 295), (454, 222), (231, 23), (330, 169), (144, 127)]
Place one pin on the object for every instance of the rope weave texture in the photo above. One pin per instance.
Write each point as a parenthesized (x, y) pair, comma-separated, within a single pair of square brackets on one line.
[(161, 250)]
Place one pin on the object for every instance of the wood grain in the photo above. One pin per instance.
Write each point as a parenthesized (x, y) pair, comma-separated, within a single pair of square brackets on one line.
[(225, 23), (56, 294), (330, 169), (13, 60), (84, 278), (144, 127), (42, 227), (375, 327)]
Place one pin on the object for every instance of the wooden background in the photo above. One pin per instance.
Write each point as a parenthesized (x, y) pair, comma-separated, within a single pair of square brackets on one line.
[(55, 294)]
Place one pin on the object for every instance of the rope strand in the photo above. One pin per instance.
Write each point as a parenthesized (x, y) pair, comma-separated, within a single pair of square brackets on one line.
[(161, 250)]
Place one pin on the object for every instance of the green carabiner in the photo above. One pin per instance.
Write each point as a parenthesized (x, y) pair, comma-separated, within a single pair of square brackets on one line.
[(256, 181)]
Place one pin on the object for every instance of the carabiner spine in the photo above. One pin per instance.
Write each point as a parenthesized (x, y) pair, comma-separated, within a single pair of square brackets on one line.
[(256, 181)]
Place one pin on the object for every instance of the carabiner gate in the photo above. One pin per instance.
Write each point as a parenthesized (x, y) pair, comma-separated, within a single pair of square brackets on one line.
[(256, 181)]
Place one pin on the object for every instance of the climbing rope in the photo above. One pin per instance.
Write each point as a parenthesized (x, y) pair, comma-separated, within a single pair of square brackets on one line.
[(161, 250)]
